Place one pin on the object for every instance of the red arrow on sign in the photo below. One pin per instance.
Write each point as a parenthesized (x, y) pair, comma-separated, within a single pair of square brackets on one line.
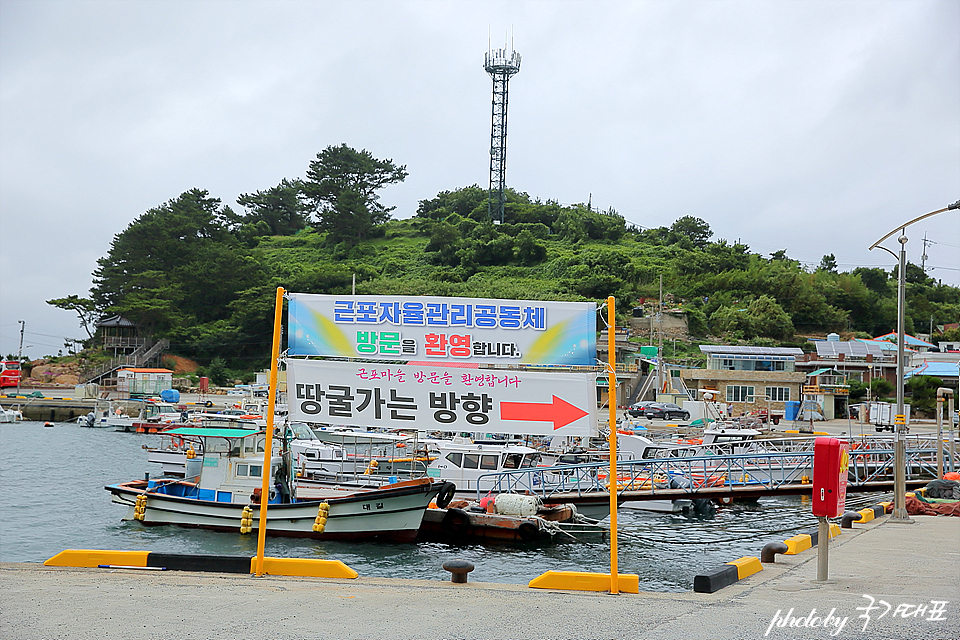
[(558, 411)]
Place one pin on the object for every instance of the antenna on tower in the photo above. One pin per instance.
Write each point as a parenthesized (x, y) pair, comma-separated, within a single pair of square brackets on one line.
[(501, 65)]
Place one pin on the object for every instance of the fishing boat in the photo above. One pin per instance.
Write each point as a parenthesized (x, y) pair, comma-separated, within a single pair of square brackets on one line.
[(221, 490), (471, 466), (10, 415), (508, 519), (152, 417)]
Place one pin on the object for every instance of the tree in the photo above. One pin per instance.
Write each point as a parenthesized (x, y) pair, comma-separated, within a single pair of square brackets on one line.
[(770, 319), (875, 279), (763, 317), (444, 245), (342, 184), (177, 264), (923, 391), (279, 207), (461, 202), (828, 263), (85, 308), (693, 228), (880, 387)]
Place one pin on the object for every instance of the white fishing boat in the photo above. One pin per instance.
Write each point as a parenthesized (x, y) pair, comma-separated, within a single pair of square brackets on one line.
[(460, 461), (221, 491), (10, 415), (152, 417), (470, 465)]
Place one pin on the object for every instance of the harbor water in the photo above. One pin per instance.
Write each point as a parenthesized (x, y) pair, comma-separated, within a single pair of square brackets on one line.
[(52, 498)]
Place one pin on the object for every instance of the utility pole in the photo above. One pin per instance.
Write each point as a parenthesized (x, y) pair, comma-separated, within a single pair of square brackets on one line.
[(660, 379), (20, 355)]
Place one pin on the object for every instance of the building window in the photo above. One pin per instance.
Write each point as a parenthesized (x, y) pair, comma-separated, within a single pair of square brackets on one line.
[(778, 394), (737, 393), (726, 364)]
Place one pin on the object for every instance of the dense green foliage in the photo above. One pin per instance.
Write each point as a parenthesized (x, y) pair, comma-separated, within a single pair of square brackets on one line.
[(204, 276)]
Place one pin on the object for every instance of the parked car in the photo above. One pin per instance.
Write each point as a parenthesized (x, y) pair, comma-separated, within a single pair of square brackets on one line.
[(665, 411), (636, 409)]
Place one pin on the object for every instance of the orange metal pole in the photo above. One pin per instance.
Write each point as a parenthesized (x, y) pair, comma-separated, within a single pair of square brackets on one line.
[(612, 403), (268, 445)]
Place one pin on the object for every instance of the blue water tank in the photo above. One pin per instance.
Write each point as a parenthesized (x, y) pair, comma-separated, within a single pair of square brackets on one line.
[(791, 409), (170, 395)]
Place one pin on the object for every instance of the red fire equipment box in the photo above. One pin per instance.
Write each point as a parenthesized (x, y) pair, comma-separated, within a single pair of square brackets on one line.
[(831, 460)]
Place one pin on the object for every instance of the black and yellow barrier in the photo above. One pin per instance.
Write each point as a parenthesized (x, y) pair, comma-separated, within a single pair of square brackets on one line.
[(98, 558), (584, 581), (727, 574), (864, 515), (795, 544)]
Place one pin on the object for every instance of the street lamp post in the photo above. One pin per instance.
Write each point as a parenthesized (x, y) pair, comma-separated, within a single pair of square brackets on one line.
[(899, 444)]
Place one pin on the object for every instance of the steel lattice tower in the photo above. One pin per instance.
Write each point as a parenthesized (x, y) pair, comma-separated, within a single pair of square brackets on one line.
[(501, 64)]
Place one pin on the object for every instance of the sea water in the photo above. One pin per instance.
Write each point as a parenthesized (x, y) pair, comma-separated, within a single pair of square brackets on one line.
[(52, 498)]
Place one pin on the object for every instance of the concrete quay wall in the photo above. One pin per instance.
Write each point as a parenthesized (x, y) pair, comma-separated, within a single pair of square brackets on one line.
[(905, 566)]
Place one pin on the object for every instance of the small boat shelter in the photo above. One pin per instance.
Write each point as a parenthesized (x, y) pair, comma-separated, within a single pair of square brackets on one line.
[(136, 383)]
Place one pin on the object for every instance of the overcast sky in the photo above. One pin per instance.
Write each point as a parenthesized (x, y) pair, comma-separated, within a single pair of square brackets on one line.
[(814, 127)]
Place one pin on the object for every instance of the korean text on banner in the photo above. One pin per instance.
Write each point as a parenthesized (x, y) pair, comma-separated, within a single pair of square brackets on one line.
[(414, 328), (442, 399)]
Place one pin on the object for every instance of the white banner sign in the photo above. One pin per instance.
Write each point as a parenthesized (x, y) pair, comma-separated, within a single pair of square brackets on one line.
[(442, 398), (433, 328)]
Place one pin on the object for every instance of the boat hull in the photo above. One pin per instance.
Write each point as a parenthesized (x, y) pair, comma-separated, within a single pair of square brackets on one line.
[(454, 526), (390, 514)]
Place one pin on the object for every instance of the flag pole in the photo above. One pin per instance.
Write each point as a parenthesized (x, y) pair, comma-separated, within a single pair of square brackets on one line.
[(612, 404), (268, 445)]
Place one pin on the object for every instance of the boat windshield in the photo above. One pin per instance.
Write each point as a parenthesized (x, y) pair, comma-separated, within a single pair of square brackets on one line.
[(300, 431), (667, 452), (520, 460)]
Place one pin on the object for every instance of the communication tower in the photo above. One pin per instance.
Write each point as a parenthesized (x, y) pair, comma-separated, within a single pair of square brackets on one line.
[(501, 65)]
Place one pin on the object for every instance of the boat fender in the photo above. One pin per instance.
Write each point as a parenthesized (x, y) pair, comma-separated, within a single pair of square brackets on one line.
[(513, 504), (528, 531), (445, 494), (725, 500), (455, 521)]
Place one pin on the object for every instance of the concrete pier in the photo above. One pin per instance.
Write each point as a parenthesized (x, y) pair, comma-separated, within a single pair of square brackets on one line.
[(913, 568)]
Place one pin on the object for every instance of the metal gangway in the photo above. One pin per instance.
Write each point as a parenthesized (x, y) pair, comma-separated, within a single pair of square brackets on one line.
[(739, 475)]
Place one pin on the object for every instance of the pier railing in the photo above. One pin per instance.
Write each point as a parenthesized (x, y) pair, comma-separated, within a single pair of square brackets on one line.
[(770, 472)]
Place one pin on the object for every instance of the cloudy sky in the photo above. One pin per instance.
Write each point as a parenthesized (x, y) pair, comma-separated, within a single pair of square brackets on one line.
[(814, 127)]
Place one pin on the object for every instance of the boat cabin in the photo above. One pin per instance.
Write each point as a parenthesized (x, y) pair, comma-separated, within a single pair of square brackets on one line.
[(633, 447), (463, 462), (160, 412), (730, 440), (232, 464), (312, 456)]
